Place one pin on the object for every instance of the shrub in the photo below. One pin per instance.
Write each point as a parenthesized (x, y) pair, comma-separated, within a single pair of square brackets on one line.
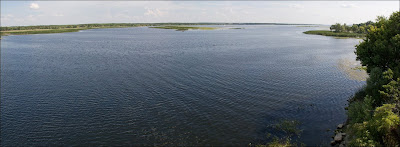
[(376, 130), (363, 136), (391, 92), (361, 110)]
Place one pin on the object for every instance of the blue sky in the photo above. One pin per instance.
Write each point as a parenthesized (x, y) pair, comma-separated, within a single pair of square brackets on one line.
[(18, 13)]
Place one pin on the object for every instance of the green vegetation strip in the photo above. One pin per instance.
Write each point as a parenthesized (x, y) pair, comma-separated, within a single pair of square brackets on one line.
[(46, 31), (339, 34), (184, 28), (373, 112)]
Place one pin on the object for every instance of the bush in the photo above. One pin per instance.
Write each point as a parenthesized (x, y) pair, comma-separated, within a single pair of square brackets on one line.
[(376, 130), (391, 92), (360, 111), (374, 85), (363, 136), (384, 119)]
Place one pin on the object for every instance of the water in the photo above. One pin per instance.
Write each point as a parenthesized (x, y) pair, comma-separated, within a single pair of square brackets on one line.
[(143, 86)]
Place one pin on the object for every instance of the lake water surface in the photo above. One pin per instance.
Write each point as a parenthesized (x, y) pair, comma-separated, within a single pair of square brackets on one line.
[(143, 86)]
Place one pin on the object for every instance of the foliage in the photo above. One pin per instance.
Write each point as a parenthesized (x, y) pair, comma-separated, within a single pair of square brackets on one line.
[(363, 137), (361, 110), (375, 130), (374, 85), (381, 47), (391, 92), (361, 28), (384, 119), (380, 53)]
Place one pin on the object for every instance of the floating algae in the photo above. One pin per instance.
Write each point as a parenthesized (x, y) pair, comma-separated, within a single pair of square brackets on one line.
[(352, 69)]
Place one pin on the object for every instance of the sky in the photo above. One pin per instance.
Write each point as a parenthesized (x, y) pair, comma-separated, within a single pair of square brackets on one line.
[(22, 13)]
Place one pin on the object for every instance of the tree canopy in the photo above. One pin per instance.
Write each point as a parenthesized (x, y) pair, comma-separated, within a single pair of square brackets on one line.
[(381, 47)]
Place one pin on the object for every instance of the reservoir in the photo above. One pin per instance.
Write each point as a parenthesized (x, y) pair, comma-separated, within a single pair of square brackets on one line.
[(147, 86)]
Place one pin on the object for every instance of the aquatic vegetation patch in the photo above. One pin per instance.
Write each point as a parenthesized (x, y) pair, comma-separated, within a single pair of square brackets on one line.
[(352, 69), (286, 130)]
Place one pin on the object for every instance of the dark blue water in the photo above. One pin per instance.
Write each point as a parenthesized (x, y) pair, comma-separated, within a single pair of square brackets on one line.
[(143, 86)]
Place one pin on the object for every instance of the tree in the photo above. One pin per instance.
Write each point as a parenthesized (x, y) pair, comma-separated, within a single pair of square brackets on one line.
[(381, 47), (336, 27), (354, 28)]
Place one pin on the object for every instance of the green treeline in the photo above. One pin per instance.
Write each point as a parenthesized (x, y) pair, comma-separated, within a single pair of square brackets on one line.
[(343, 30), (373, 113), (361, 28), (335, 34)]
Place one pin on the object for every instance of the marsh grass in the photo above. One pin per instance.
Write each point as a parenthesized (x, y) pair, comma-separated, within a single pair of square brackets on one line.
[(39, 31), (353, 69), (330, 33)]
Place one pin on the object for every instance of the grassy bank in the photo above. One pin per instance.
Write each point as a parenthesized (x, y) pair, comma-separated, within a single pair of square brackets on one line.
[(184, 28), (39, 31), (330, 33)]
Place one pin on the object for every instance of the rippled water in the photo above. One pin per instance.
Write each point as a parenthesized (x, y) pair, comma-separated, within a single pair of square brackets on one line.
[(143, 86)]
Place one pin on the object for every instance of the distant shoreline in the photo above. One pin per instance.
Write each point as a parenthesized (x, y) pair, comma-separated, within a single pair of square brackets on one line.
[(47, 29), (334, 34)]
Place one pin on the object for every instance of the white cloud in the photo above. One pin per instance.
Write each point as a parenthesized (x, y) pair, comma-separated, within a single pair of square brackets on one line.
[(34, 6), (153, 12)]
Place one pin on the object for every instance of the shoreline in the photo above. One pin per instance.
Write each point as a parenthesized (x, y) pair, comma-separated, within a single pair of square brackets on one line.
[(49, 29), (342, 35)]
